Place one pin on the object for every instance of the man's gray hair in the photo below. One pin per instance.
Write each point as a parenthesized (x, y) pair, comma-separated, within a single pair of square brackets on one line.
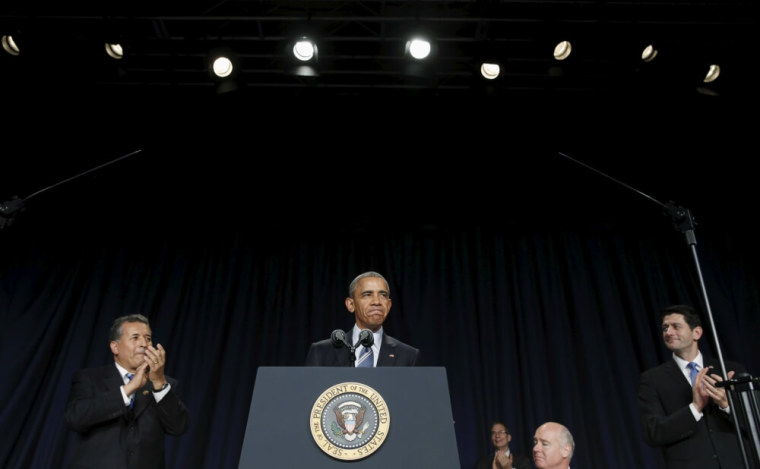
[(116, 330), (566, 438)]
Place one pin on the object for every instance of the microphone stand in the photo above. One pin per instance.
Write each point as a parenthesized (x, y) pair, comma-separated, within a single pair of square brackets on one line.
[(338, 338), (366, 339), (352, 348), (10, 208), (683, 221), (8, 211)]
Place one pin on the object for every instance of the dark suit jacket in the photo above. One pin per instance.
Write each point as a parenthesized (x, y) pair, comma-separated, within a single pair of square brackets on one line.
[(485, 461), (667, 421), (114, 436), (392, 353)]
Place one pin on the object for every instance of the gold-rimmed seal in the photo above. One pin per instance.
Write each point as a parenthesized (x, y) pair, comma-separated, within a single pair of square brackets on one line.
[(349, 421)]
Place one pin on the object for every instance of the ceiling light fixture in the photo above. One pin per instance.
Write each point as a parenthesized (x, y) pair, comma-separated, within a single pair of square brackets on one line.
[(418, 48), (713, 72), (649, 53), (115, 51), (302, 57), (490, 71), (304, 50), (562, 50), (9, 45), (222, 67)]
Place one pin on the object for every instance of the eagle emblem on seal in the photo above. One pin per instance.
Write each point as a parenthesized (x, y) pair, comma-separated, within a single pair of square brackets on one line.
[(348, 420)]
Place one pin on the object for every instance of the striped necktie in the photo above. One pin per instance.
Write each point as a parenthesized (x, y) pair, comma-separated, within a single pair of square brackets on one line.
[(132, 397), (693, 370), (367, 358)]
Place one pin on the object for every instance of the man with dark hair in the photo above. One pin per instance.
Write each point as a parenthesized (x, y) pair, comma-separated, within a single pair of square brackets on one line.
[(682, 409), (122, 411), (369, 300), (502, 456)]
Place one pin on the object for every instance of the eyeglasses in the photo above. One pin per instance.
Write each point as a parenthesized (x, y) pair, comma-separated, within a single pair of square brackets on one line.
[(500, 432)]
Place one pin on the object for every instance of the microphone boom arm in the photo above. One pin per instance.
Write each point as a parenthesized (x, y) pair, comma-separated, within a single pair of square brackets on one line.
[(10, 208), (683, 221)]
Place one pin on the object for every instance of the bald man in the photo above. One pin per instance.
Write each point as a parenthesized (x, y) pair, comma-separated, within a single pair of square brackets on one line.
[(553, 446)]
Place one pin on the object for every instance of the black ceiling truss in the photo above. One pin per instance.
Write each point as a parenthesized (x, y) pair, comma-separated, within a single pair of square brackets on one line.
[(361, 44)]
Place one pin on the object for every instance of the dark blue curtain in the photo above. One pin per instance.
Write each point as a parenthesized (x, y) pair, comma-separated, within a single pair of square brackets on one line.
[(535, 283)]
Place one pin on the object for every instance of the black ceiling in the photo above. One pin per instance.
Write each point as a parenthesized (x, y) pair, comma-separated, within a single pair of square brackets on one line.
[(361, 45), (69, 110)]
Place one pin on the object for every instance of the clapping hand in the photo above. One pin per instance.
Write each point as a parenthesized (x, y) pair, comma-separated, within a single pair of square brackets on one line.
[(502, 461), (711, 390)]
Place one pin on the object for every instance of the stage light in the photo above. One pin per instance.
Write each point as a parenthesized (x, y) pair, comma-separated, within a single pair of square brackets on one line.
[(222, 67), (490, 71), (418, 48), (419, 51), (10, 46), (562, 50), (649, 53), (713, 72), (222, 64), (115, 51), (302, 57), (304, 50)]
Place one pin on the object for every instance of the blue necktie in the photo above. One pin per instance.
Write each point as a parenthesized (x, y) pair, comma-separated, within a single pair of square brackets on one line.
[(366, 359), (693, 368), (131, 399)]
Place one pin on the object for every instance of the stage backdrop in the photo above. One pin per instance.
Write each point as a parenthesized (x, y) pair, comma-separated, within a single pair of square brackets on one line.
[(536, 283)]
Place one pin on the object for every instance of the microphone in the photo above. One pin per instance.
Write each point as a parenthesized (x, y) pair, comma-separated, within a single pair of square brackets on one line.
[(366, 338), (8, 210), (338, 338)]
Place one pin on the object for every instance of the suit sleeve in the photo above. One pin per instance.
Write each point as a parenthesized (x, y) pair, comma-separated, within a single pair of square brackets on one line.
[(659, 428), (88, 405), (483, 462), (172, 412), (522, 462), (312, 357), (411, 355)]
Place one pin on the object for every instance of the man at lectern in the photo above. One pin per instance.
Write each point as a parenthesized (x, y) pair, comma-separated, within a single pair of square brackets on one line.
[(369, 300)]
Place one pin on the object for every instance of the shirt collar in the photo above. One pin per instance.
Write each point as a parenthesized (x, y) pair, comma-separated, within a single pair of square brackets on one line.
[(122, 371), (378, 336), (682, 363)]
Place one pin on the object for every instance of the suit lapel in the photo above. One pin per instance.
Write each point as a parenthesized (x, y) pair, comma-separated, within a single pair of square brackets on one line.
[(676, 373), (114, 379), (387, 352), (676, 376), (111, 375), (141, 399), (342, 356)]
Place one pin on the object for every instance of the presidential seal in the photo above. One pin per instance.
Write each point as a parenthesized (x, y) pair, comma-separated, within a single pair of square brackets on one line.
[(349, 421)]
